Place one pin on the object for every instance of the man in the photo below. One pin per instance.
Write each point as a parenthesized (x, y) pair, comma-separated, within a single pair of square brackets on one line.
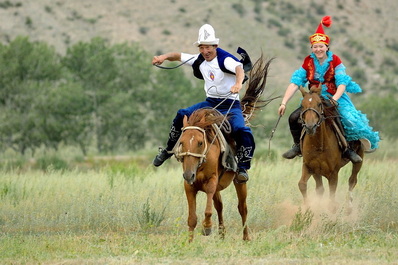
[(223, 76)]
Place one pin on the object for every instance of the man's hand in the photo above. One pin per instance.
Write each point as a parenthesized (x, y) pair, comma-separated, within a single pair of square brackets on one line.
[(236, 88), (158, 60)]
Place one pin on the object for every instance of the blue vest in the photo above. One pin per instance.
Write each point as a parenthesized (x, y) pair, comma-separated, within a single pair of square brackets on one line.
[(221, 55)]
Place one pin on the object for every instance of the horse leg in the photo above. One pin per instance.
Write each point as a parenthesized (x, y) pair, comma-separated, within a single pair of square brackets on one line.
[(241, 191), (210, 190), (319, 186), (191, 193), (352, 182), (305, 175), (333, 181), (219, 207)]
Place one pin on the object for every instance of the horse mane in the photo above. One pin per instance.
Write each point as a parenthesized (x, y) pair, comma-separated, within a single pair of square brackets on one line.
[(251, 101), (205, 118)]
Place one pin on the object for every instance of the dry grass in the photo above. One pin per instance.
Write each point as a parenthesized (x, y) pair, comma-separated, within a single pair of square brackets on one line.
[(98, 216)]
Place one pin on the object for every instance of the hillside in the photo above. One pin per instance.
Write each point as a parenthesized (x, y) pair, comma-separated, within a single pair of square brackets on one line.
[(362, 32)]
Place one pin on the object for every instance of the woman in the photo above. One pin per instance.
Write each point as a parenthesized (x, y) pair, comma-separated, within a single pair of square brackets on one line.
[(324, 67)]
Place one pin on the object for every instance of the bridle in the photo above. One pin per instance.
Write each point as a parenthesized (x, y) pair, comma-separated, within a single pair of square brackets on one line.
[(202, 157), (321, 116)]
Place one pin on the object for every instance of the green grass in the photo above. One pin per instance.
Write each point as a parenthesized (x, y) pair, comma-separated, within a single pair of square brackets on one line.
[(124, 212)]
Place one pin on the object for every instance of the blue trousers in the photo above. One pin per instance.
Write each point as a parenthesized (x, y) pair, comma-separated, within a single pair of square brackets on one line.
[(242, 134)]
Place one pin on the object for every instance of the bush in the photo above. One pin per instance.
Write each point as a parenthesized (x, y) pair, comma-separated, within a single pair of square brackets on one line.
[(52, 162), (239, 8)]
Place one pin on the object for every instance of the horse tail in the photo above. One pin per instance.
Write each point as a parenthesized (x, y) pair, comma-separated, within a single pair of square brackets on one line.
[(257, 80)]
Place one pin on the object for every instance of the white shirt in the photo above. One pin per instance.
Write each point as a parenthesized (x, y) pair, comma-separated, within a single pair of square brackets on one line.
[(217, 83)]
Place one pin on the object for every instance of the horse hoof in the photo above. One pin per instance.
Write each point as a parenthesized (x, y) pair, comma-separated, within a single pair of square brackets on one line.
[(221, 232), (206, 231)]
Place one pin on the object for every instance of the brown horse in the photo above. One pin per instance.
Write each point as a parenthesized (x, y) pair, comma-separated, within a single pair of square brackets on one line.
[(322, 155), (200, 152)]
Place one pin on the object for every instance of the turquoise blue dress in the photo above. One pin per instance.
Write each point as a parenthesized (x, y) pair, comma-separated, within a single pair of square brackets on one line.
[(355, 123)]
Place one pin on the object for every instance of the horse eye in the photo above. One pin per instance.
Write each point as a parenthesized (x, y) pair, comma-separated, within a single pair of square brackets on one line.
[(200, 143)]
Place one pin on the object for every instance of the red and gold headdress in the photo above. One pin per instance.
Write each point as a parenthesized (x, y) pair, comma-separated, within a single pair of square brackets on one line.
[(320, 36)]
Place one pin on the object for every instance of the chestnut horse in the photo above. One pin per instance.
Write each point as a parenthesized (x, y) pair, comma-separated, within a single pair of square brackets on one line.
[(200, 152), (322, 155)]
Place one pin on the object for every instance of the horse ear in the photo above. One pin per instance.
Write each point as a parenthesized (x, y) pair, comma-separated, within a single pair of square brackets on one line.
[(185, 121), (302, 90), (317, 89)]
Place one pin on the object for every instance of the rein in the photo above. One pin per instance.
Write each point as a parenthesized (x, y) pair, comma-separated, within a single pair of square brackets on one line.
[(223, 121)]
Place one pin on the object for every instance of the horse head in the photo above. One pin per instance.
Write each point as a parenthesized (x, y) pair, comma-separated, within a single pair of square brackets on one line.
[(195, 142), (312, 109), (191, 149)]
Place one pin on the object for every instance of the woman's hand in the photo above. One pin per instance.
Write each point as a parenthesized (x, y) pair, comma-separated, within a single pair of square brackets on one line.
[(282, 109)]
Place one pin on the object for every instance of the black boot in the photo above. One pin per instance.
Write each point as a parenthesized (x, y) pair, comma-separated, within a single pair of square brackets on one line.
[(161, 157), (350, 154), (164, 154), (292, 153), (296, 150)]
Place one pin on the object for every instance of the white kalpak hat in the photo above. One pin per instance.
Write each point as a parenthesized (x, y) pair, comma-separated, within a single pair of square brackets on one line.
[(207, 36)]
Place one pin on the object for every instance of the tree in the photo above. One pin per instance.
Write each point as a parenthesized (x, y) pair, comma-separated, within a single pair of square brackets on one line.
[(93, 66), (25, 68)]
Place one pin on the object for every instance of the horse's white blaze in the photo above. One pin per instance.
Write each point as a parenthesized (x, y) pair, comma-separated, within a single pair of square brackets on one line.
[(191, 141)]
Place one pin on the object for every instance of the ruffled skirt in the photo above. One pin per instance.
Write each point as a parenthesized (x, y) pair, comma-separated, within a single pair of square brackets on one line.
[(355, 123)]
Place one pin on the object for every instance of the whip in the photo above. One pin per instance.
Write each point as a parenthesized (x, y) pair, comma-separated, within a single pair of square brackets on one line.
[(173, 67), (272, 134)]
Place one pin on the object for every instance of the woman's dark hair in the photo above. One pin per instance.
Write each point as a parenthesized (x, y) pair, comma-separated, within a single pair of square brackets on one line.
[(326, 46)]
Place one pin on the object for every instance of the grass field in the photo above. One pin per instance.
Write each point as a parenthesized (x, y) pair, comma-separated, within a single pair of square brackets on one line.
[(127, 212)]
